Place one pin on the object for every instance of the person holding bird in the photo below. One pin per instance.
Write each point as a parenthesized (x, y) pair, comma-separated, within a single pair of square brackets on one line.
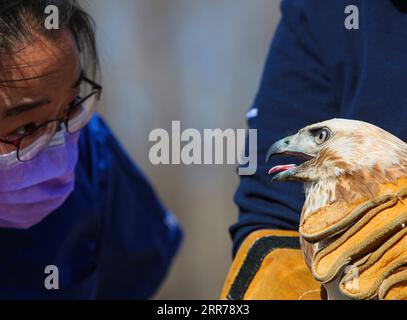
[(338, 230)]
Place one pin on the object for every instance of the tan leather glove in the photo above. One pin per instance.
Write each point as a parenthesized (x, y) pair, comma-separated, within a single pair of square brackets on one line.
[(270, 266), (361, 249)]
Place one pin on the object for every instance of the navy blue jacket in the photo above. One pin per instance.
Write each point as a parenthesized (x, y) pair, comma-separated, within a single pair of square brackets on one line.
[(111, 238), (316, 70)]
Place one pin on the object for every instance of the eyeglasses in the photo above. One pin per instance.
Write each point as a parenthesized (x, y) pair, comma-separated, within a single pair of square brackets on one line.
[(37, 138)]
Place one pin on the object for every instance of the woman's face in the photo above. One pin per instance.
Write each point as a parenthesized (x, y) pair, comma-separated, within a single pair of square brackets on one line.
[(38, 83)]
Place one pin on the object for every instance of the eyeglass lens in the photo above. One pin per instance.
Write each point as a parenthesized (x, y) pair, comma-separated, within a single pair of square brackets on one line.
[(39, 140)]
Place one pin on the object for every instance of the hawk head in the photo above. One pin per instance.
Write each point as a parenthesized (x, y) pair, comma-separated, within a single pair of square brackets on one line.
[(345, 160)]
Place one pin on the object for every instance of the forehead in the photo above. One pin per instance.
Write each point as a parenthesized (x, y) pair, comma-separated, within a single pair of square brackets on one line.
[(41, 63)]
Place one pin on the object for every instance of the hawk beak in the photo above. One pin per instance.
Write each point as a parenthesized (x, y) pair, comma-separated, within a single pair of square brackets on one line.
[(286, 174), (279, 147), (284, 171), (285, 147)]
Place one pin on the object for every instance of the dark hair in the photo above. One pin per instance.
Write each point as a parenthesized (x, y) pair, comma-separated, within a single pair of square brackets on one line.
[(19, 19)]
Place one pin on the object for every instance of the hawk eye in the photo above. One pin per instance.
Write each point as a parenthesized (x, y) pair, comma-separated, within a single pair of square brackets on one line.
[(321, 135)]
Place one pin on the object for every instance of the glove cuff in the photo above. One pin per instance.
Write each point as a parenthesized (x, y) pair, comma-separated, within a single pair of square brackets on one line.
[(270, 265)]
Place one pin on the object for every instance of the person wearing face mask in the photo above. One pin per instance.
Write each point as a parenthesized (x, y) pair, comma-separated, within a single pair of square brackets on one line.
[(70, 197)]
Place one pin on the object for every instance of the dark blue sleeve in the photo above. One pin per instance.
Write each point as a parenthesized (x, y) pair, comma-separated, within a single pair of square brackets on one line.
[(139, 237), (295, 90)]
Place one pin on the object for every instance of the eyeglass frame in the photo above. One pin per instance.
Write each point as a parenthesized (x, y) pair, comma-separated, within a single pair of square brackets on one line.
[(96, 90)]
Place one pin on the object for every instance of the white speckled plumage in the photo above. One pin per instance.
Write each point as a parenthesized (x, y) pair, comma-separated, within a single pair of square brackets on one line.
[(352, 163)]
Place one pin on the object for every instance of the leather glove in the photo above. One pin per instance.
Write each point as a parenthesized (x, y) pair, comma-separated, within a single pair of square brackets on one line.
[(360, 251), (270, 266)]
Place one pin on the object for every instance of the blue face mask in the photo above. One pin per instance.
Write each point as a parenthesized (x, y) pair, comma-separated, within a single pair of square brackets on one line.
[(29, 191)]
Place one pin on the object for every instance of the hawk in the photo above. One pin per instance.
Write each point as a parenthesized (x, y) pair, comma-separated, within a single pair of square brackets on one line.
[(352, 224)]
